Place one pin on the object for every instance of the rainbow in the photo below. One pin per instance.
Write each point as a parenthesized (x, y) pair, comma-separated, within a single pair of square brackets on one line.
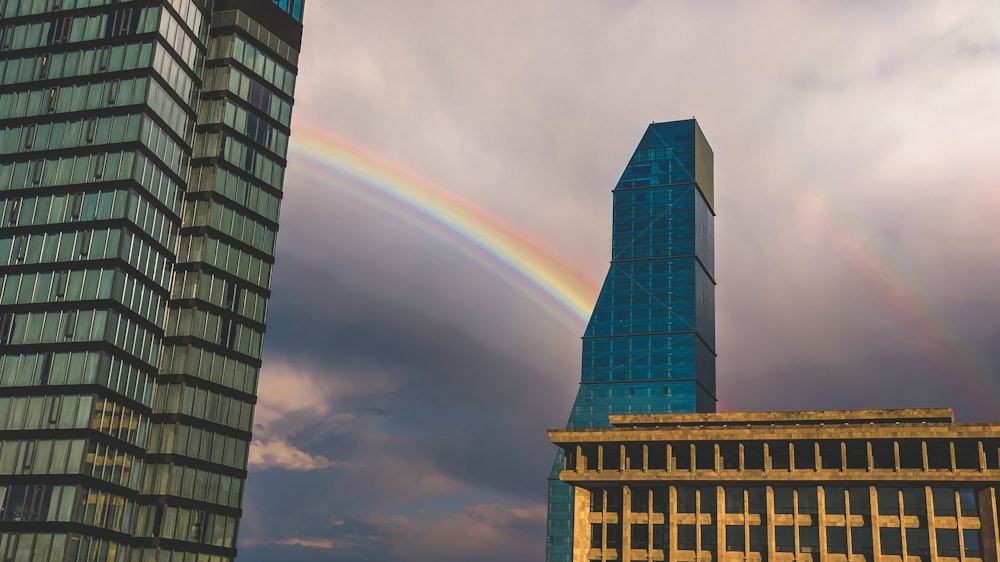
[(534, 271), (886, 271), (565, 293)]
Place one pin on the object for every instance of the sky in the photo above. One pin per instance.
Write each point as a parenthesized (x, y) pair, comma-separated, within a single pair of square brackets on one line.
[(446, 227)]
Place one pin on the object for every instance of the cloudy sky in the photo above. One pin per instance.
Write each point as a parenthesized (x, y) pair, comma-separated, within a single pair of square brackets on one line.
[(409, 376)]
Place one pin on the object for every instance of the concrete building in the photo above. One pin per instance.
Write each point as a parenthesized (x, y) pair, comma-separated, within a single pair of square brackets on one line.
[(142, 154), (827, 486)]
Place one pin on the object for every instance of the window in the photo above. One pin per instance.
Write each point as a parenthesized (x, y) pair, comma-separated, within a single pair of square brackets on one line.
[(43, 66), (612, 457), (829, 453), (681, 455), (686, 537), (15, 211), (914, 501), (6, 327), (53, 99), (784, 539), (835, 502), (61, 281), (973, 543), (883, 455), (75, 205), (686, 500), (966, 454), (836, 540), (8, 37), (967, 502), (939, 454), (640, 500), (707, 499), (734, 500), (892, 540), (60, 29), (660, 500), (917, 543), (911, 454), (657, 456), (805, 455), (809, 539), (99, 165), (113, 88), (596, 535), (70, 326), (735, 540), (944, 501), (758, 539), (856, 454), (730, 453), (614, 497), (91, 129), (21, 247), (808, 500), (709, 537), (860, 501), (614, 538), (36, 171), (861, 540), (704, 454), (640, 536), (103, 58), (753, 455), (888, 501), (779, 456), (596, 500), (783, 500), (29, 136), (947, 542)]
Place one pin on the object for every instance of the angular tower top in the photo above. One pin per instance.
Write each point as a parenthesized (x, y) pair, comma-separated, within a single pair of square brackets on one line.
[(671, 153)]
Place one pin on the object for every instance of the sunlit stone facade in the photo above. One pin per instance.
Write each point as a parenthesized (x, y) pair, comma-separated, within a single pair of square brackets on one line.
[(142, 155), (826, 486)]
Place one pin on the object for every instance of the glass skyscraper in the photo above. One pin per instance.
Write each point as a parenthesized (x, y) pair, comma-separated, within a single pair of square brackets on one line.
[(649, 347), (142, 153)]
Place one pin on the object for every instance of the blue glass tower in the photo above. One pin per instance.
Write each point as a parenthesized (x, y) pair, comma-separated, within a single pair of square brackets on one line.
[(650, 345)]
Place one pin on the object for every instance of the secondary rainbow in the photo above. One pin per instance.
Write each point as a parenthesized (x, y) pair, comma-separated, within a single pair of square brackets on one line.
[(536, 272)]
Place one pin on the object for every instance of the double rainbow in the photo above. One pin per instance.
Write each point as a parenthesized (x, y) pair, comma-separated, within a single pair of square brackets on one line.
[(565, 293)]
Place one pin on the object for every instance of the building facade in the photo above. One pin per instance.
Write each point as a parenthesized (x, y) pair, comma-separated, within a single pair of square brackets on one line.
[(828, 486), (142, 153), (649, 347)]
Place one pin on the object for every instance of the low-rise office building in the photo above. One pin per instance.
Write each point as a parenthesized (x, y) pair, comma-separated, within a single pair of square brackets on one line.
[(875, 485)]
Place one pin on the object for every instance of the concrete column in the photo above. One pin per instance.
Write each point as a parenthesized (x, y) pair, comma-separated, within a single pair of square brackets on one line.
[(626, 523), (873, 499), (821, 521), (581, 524), (771, 552), (931, 523)]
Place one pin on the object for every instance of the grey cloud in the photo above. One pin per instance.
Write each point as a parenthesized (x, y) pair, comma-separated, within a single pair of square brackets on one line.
[(855, 191)]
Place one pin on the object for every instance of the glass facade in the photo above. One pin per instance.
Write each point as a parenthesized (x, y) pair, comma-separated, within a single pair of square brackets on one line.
[(649, 347), (142, 153)]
